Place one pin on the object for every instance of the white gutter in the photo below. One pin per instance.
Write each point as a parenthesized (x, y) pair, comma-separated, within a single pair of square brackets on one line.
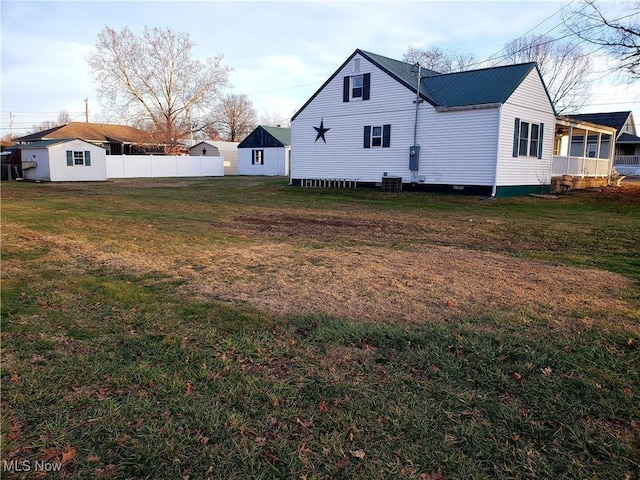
[(482, 106), (495, 172)]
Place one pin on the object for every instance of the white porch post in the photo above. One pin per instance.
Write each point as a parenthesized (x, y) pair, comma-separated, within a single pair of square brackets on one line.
[(612, 144), (584, 149), (569, 148), (598, 152)]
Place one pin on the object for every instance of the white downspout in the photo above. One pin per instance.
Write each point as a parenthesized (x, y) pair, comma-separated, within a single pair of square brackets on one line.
[(494, 190)]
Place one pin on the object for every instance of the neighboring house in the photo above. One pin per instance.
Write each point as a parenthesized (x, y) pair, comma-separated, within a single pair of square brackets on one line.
[(488, 131), (63, 160), (216, 148), (115, 139), (627, 151), (265, 151), (627, 140)]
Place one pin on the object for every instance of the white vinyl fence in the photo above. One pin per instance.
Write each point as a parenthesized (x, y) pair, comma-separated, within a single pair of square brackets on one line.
[(145, 166)]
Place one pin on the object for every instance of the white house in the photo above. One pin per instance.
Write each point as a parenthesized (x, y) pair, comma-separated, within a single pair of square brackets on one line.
[(487, 131), (265, 151), (217, 148), (64, 160)]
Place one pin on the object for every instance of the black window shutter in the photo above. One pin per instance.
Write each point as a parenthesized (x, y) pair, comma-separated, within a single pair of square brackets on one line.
[(366, 86), (386, 135), (516, 137), (87, 158), (69, 158), (345, 89), (253, 157), (540, 132), (367, 136)]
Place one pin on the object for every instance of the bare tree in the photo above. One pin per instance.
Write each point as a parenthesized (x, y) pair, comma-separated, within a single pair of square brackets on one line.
[(234, 117), (442, 61), (272, 119), (564, 66), (618, 36), (63, 119), (154, 79)]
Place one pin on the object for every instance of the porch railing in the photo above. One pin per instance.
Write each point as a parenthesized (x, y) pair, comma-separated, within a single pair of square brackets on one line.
[(633, 160), (580, 166)]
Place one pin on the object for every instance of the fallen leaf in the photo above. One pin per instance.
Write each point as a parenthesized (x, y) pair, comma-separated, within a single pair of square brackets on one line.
[(49, 454), (357, 454), (304, 424), (323, 406), (547, 371), (190, 388), (516, 376), (305, 449), (631, 343), (93, 458), (68, 454)]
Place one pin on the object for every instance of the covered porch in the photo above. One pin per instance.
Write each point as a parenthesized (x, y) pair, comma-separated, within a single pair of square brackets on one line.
[(582, 149)]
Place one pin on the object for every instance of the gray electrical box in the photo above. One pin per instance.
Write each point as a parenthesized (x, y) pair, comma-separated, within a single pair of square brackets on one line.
[(414, 157)]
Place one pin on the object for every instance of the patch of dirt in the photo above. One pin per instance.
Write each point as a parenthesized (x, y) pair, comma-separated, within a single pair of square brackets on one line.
[(369, 283)]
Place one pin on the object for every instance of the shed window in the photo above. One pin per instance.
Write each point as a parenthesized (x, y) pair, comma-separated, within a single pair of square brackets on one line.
[(78, 158), (257, 157)]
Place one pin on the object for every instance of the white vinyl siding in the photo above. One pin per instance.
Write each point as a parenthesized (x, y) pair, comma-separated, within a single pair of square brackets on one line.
[(460, 147), (275, 161), (530, 104), (52, 162), (343, 156)]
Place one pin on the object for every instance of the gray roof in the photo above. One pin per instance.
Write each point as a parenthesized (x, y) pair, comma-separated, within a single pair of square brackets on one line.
[(610, 119), (628, 138)]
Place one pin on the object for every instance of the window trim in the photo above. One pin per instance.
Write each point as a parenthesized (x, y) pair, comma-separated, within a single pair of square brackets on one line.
[(525, 143), (257, 156), (384, 136), (348, 88), (78, 158)]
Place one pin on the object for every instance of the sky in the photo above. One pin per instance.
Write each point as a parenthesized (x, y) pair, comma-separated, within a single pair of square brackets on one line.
[(280, 52)]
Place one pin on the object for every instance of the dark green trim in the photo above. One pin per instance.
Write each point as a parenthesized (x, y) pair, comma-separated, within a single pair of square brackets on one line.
[(518, 190)]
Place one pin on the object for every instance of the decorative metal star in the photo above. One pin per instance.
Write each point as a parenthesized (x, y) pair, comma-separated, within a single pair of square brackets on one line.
[(321, 131)]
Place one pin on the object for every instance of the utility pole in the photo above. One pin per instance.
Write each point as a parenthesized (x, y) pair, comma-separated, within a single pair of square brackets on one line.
[(86, 110), (10, 126)]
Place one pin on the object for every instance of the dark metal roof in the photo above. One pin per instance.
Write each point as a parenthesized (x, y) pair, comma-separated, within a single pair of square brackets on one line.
[(477, 87), (473, 87), (610, 119)]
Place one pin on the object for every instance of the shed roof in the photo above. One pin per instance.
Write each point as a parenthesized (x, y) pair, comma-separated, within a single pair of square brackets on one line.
[(267, 137), (283, 135), (51, 142)]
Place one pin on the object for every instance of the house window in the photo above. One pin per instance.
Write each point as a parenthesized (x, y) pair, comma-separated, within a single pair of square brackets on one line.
[(78, 158), (356, 87), (377, 136), (257, 157), (527, 139)]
